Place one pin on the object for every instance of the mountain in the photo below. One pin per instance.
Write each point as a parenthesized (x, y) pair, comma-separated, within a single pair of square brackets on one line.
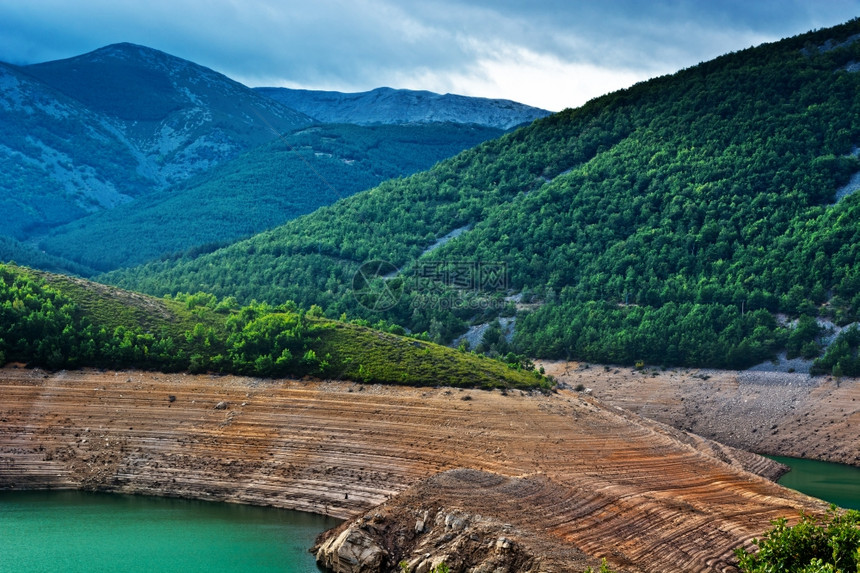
[(676, 222), (92, 132), (126, 142), (184, 117), (262, 188), (59, 159), (387, 105)]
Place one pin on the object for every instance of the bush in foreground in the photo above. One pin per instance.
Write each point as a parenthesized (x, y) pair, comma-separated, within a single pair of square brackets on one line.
[(831, 545)]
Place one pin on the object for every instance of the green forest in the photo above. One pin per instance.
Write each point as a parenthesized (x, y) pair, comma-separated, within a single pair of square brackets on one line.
[(55, 321), (689, 220)]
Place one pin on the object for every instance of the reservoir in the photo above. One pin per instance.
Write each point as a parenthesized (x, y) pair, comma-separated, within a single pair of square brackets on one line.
[(81, 532), (834, 483)]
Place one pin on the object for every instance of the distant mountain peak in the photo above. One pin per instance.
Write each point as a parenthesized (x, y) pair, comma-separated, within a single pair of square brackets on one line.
[(183, 116), (387, 105), (90, 132)]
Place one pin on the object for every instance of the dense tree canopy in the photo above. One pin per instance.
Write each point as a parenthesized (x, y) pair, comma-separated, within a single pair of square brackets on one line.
[(669, 222)]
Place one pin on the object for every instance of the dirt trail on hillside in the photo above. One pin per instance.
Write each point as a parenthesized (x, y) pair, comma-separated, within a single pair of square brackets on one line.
[(603, 481), (774, 413)]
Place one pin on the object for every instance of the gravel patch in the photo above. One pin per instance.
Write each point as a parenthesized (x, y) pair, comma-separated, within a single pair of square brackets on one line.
[(782, 364)]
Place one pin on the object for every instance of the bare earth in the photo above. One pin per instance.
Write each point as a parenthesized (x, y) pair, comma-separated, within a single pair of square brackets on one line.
[(563, 478), (776, 413)]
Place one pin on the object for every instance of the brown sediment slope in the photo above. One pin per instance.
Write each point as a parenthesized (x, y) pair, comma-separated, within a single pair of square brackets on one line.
[(776, 413), (603, 481)]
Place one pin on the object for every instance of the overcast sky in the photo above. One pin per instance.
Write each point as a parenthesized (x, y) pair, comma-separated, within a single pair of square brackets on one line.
[(551, 54)]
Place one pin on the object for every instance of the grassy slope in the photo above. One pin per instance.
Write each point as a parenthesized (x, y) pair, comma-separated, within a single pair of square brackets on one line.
[(365, 354), (111, 307), (356, 352)]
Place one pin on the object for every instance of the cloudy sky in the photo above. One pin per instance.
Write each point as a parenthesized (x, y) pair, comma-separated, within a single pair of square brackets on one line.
[(548, 53)]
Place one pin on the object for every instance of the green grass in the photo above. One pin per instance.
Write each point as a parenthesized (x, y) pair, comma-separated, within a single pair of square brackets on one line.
[(368, 355), (112, 307), (139, 328)]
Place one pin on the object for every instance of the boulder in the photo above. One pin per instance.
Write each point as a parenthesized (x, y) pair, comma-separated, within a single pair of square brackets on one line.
[(353, 551)]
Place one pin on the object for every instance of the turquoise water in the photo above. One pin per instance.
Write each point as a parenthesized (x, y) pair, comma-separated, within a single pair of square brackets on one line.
[(79, 532), (834, 483)]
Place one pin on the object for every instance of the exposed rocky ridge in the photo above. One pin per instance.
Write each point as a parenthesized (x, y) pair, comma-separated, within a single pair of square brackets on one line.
[(387, 105), (605, 482), (776, 413)]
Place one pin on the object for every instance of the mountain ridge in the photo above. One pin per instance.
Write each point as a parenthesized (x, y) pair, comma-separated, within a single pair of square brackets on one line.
[(70, 148), (184, 116), (131, 126), (388, 105)]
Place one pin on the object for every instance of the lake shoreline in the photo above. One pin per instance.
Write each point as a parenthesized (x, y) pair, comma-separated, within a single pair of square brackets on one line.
[(345, 450), (833, 483), (79, 532)]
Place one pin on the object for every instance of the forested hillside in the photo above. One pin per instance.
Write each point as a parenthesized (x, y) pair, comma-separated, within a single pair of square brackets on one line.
[(263, 188), (30, 256), (56, 321), (671, 222)]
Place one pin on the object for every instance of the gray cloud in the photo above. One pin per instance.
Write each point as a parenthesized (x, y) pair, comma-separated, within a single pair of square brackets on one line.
[(456, 46)]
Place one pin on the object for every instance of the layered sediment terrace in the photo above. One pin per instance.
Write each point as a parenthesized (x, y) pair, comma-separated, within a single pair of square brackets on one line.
[(644, 495)]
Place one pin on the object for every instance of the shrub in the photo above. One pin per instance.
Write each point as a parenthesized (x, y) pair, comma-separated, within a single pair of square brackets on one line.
[(831, 545)]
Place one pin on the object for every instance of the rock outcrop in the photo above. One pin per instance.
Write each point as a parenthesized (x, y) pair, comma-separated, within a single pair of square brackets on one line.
[(463, 518), (353, 550), (557, 473)]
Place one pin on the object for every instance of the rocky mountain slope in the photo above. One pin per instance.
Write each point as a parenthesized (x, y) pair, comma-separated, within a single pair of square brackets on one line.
[(60, 160), (89, 133), (183, 117), (387, 105), (563, 475)]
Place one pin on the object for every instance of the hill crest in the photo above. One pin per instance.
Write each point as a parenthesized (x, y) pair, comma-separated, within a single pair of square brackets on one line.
[(388, 105)]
